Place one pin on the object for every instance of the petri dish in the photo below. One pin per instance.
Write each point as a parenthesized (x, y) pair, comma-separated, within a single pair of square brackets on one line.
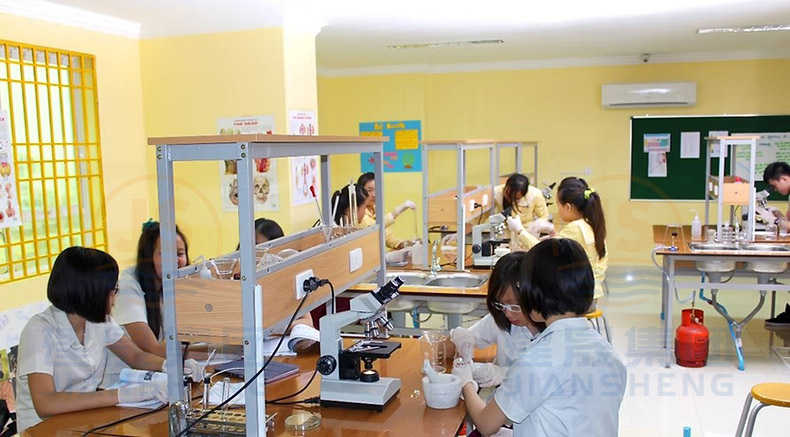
[(302, 421)]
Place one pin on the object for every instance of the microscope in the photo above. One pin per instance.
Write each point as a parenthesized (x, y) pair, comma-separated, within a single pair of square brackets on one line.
[(343, 383), (484, 246)]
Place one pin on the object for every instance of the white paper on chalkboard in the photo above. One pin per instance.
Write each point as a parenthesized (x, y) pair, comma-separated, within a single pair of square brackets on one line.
[(689, 145)]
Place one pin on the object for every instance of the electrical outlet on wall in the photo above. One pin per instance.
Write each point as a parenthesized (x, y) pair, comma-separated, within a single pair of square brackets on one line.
[(471, 204), (485, 200), (354, 260), (299, 282)]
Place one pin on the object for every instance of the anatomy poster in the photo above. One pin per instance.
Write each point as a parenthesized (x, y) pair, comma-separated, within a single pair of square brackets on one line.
[(657, 164), (304, 169), (9, 201), (402, 151), (266, 193)]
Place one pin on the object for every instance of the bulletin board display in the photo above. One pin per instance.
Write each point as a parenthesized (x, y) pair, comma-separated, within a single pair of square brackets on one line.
[(402, 152), (668, 153)]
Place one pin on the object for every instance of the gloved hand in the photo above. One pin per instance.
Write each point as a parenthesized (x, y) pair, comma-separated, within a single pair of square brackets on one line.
[(514, 224), (404, 206), (488, 375), (398, 256), (776, 212), (765, 215), (465, 374), (192, 369), (449, 239), (465, 342), (143, 392), (540, 226)]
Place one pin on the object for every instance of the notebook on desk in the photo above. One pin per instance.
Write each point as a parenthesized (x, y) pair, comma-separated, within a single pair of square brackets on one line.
[(274, 372)]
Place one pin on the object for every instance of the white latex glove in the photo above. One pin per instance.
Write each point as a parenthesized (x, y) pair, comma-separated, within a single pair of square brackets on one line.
[(192, 369), (488, 375), (514, 224), (465, 374), (398, 256), (765, 215), (449, 239), (465, 342), (540, 226), (776, 212), (400, 209), (143, 392)]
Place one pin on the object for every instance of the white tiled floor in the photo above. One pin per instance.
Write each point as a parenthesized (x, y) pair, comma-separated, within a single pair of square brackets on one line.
[(659, 401)]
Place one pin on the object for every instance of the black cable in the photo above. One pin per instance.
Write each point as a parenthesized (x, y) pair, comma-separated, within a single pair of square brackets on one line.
[(313, 400), (332, 290), (257, 374), (480, 219), (119, 421), (277, 401)]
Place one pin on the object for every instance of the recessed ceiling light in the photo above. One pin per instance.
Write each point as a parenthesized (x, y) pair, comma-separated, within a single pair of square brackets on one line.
[(445, 44), (767, 28)]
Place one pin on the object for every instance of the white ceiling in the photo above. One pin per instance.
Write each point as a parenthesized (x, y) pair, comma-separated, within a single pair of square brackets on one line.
[(356, 33)]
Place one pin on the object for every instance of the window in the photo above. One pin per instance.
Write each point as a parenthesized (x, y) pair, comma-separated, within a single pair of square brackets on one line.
[(50, 96)]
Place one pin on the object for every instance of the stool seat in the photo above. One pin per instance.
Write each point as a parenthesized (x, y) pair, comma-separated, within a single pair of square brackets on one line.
[(594, 315), (772, 393)]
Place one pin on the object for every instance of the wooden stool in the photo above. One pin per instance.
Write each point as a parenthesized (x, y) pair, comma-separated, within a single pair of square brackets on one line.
[(593, 318), (769, 393)]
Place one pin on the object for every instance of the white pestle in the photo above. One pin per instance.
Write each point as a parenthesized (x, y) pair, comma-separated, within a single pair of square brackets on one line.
[(434, 376)]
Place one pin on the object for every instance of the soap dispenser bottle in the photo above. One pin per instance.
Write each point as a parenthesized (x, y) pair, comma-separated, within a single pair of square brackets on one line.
[(696, 227)]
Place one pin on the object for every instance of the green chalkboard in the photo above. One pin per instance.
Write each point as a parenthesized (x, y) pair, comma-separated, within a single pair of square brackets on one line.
[(685, 178)]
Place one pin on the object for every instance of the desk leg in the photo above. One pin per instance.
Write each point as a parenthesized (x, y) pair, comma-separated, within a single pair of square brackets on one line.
[(668, 314), (773, 304), (399, 319), (453, 320)]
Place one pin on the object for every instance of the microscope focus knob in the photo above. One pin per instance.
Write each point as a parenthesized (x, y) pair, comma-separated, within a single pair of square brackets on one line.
[(326, 364), (476, 248)]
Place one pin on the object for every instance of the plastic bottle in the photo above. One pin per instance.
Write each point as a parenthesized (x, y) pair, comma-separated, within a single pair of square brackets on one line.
[(686, 431), (696, 227)]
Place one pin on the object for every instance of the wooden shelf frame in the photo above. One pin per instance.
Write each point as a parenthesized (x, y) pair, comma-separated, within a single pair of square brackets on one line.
[(267, 296)]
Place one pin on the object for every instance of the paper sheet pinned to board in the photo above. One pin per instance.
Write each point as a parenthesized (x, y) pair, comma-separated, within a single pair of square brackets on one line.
[(657, 165), (689, 145)]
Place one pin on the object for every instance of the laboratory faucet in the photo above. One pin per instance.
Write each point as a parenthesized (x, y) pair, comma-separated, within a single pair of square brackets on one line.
[(435, 266)]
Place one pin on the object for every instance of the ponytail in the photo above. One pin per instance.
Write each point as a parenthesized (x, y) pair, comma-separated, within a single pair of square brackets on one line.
[(342, 199), (584, 198)]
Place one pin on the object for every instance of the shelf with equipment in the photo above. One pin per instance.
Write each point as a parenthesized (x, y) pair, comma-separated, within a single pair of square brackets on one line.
[(727, 189), (443, 208), (264, 298)]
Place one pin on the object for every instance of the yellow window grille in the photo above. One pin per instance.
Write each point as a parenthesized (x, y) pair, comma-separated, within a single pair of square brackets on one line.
[(51, 99)]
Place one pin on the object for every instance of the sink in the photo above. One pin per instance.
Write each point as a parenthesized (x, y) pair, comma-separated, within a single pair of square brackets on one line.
[(456, 280), (757, 247), (409, 278), (712, 247)]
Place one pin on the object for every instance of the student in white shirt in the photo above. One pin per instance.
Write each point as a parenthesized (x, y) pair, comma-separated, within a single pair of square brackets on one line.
[(568, 381), (505, 325), (138, 305), (63, 350)]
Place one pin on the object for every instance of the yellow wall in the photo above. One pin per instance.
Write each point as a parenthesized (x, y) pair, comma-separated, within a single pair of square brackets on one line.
[(188, 83), (121, 118), (561, 109)]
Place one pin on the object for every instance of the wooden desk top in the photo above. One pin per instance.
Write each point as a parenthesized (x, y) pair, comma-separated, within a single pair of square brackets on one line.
[(404, 415)]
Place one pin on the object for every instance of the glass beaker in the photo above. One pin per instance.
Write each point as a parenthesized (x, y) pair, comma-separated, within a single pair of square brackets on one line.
[(771, 231), (433, 348), (223, 267)]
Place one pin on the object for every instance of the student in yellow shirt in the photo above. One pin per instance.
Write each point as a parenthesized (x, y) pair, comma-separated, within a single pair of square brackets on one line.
[(343, 211), (527, 202), (580, 207), (368, 183)]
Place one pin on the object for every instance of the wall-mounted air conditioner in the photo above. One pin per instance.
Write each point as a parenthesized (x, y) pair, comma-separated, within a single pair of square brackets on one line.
[(656, 94)]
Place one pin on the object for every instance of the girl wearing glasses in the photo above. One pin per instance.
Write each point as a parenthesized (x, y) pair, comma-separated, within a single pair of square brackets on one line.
[(63, 350), (505, 325), (568, 381)]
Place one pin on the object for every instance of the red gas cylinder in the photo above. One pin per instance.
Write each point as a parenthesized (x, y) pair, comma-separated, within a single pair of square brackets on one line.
[(691, 340)]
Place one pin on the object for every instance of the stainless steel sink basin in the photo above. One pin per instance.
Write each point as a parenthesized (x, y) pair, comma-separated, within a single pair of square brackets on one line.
[(456, 280), (409, 278), (448, 279), (763, 247), (712, 247)]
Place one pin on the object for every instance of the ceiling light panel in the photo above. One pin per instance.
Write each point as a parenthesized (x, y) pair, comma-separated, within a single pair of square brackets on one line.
[(746, 29)]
